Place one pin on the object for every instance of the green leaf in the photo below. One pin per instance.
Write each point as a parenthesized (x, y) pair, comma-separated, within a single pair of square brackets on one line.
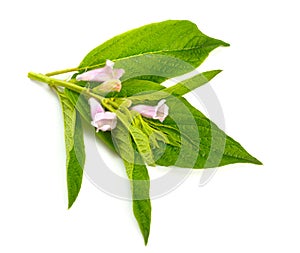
[(137, 174), (69, 115), (79, 102), (123, 143), (76, 163), (166, 49), (192, 83), (140, 187), (75, 153), (142, 143), (214, 149), (178, 89)]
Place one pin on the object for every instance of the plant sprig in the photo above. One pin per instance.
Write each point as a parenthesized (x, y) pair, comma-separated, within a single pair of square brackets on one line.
[(118, 88)]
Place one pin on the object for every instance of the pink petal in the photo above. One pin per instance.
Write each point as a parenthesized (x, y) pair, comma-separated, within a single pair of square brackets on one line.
[(105, 121), (104, 116), (118, 73), (96, 75), (95, 107), (110, 63), (101, 74), (145, 110), (160, 111)]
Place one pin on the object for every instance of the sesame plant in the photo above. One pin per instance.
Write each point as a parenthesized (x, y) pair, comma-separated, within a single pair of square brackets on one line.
[(118, 89)]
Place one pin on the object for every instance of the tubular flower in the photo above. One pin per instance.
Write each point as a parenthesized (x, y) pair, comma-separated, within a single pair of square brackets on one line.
[(108, 76), (160, 111), (102, 120)]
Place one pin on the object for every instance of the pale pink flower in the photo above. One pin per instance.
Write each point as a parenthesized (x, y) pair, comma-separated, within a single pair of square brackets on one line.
[(102, 120), (160, 111), (108, 75)]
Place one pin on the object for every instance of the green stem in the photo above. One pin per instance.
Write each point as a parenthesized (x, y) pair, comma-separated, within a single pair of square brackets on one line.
[(63, 71), (59, 83), (58, 72)]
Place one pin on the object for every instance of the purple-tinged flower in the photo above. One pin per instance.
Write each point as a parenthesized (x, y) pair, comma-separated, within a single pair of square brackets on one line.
[(108, 76), (160, 111), (102, 120), (102, 74)]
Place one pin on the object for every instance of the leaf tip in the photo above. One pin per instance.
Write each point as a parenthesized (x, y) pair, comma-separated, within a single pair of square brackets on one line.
[(218, 71), (225, 44), (257, 162), (71, 200), (146, 236), (70, 204), (209, 75)]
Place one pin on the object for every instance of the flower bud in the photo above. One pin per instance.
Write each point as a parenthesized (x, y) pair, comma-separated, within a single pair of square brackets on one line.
[(109, 86)]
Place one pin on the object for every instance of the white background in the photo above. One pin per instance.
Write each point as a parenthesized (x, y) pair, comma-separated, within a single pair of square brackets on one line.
[(244, 208)]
